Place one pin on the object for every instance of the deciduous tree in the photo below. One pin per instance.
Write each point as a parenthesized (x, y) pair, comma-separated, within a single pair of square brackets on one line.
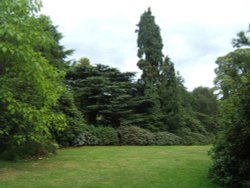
[(231, 153), (30, 86)]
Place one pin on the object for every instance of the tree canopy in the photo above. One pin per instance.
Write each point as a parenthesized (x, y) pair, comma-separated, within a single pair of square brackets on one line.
[(30, 86), (231, 152)]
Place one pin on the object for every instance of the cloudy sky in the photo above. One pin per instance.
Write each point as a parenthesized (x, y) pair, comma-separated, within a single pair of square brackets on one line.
[(194, 32)]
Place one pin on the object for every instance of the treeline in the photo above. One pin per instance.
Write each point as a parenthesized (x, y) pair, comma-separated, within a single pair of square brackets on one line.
[(111, 101), (154, 110), (47, 101)]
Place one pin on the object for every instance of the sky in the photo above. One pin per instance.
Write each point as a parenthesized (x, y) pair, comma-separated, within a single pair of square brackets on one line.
[(194, 32)]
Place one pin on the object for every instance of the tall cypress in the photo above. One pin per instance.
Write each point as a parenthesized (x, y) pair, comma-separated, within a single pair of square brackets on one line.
[(149, 49), (158, 74), (150, 46)]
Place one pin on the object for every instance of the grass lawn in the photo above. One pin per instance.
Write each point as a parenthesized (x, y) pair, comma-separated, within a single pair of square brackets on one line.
[(113, 167)]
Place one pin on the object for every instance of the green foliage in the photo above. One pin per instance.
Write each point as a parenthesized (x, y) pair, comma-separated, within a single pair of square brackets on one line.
[(150, 47), (158, 77), (205, 101), (190, 137), (209, 122), (38, 106), (170, 100), (76, 125), (102, 136), (106, 136), (192, 131), (197, 116), (132, 135), (54, 52), (231, 153), (28, 149), (106, 96), (30, 86), (167, 138), (86, 138), (241, 40), (94, 89)]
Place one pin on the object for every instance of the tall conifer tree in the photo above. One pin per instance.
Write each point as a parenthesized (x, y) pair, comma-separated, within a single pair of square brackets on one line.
[(150, 46), (158, 75)]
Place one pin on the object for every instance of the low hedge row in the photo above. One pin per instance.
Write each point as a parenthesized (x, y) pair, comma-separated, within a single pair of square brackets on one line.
[(102, 136), (132, 135)]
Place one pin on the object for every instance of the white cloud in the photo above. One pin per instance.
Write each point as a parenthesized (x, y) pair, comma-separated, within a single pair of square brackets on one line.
[(194, 32)]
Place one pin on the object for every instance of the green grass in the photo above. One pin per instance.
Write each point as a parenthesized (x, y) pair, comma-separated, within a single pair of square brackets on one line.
[(113, 167)]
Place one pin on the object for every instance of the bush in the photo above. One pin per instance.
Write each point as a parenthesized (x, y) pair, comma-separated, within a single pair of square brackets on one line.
[(75, 123), (131, 135), (106, 136), (29, 149), (85, 139), (166, 138), (194, 138), (193, 124), (231, 154), (73, 130), (97, 136)]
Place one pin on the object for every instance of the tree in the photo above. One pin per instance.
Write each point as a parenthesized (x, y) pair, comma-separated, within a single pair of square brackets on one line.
[(30, 86), (206, 107), (150, 46), (158, 78), (206, 101), (76, 124), (169, 97), (56, 54), (107, 96), (231, 153)]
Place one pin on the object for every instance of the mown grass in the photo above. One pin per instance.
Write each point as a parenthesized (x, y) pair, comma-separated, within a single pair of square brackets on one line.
[(113, 167)]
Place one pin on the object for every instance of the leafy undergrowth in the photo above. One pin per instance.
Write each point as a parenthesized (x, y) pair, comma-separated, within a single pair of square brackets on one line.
[(113, 167)]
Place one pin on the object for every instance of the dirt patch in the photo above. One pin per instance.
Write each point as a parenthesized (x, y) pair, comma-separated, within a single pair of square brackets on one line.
[(9, 173)]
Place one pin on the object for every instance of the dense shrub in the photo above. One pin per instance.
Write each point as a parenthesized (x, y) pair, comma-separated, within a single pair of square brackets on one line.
[(166, 138), (192, 124), (85, 139), (210, 123), (195, 138), (76, 125), (231, 165), (131, 135), (97, 136), (73, 130), (106, 136), (231, 152), (28, 149)]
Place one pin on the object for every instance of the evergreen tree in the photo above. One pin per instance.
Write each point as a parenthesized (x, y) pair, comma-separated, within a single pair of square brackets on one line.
[(158, 78), (169, 96), (54, 52), (150, 46), (205, 101), (205, 107), (107, 96)]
